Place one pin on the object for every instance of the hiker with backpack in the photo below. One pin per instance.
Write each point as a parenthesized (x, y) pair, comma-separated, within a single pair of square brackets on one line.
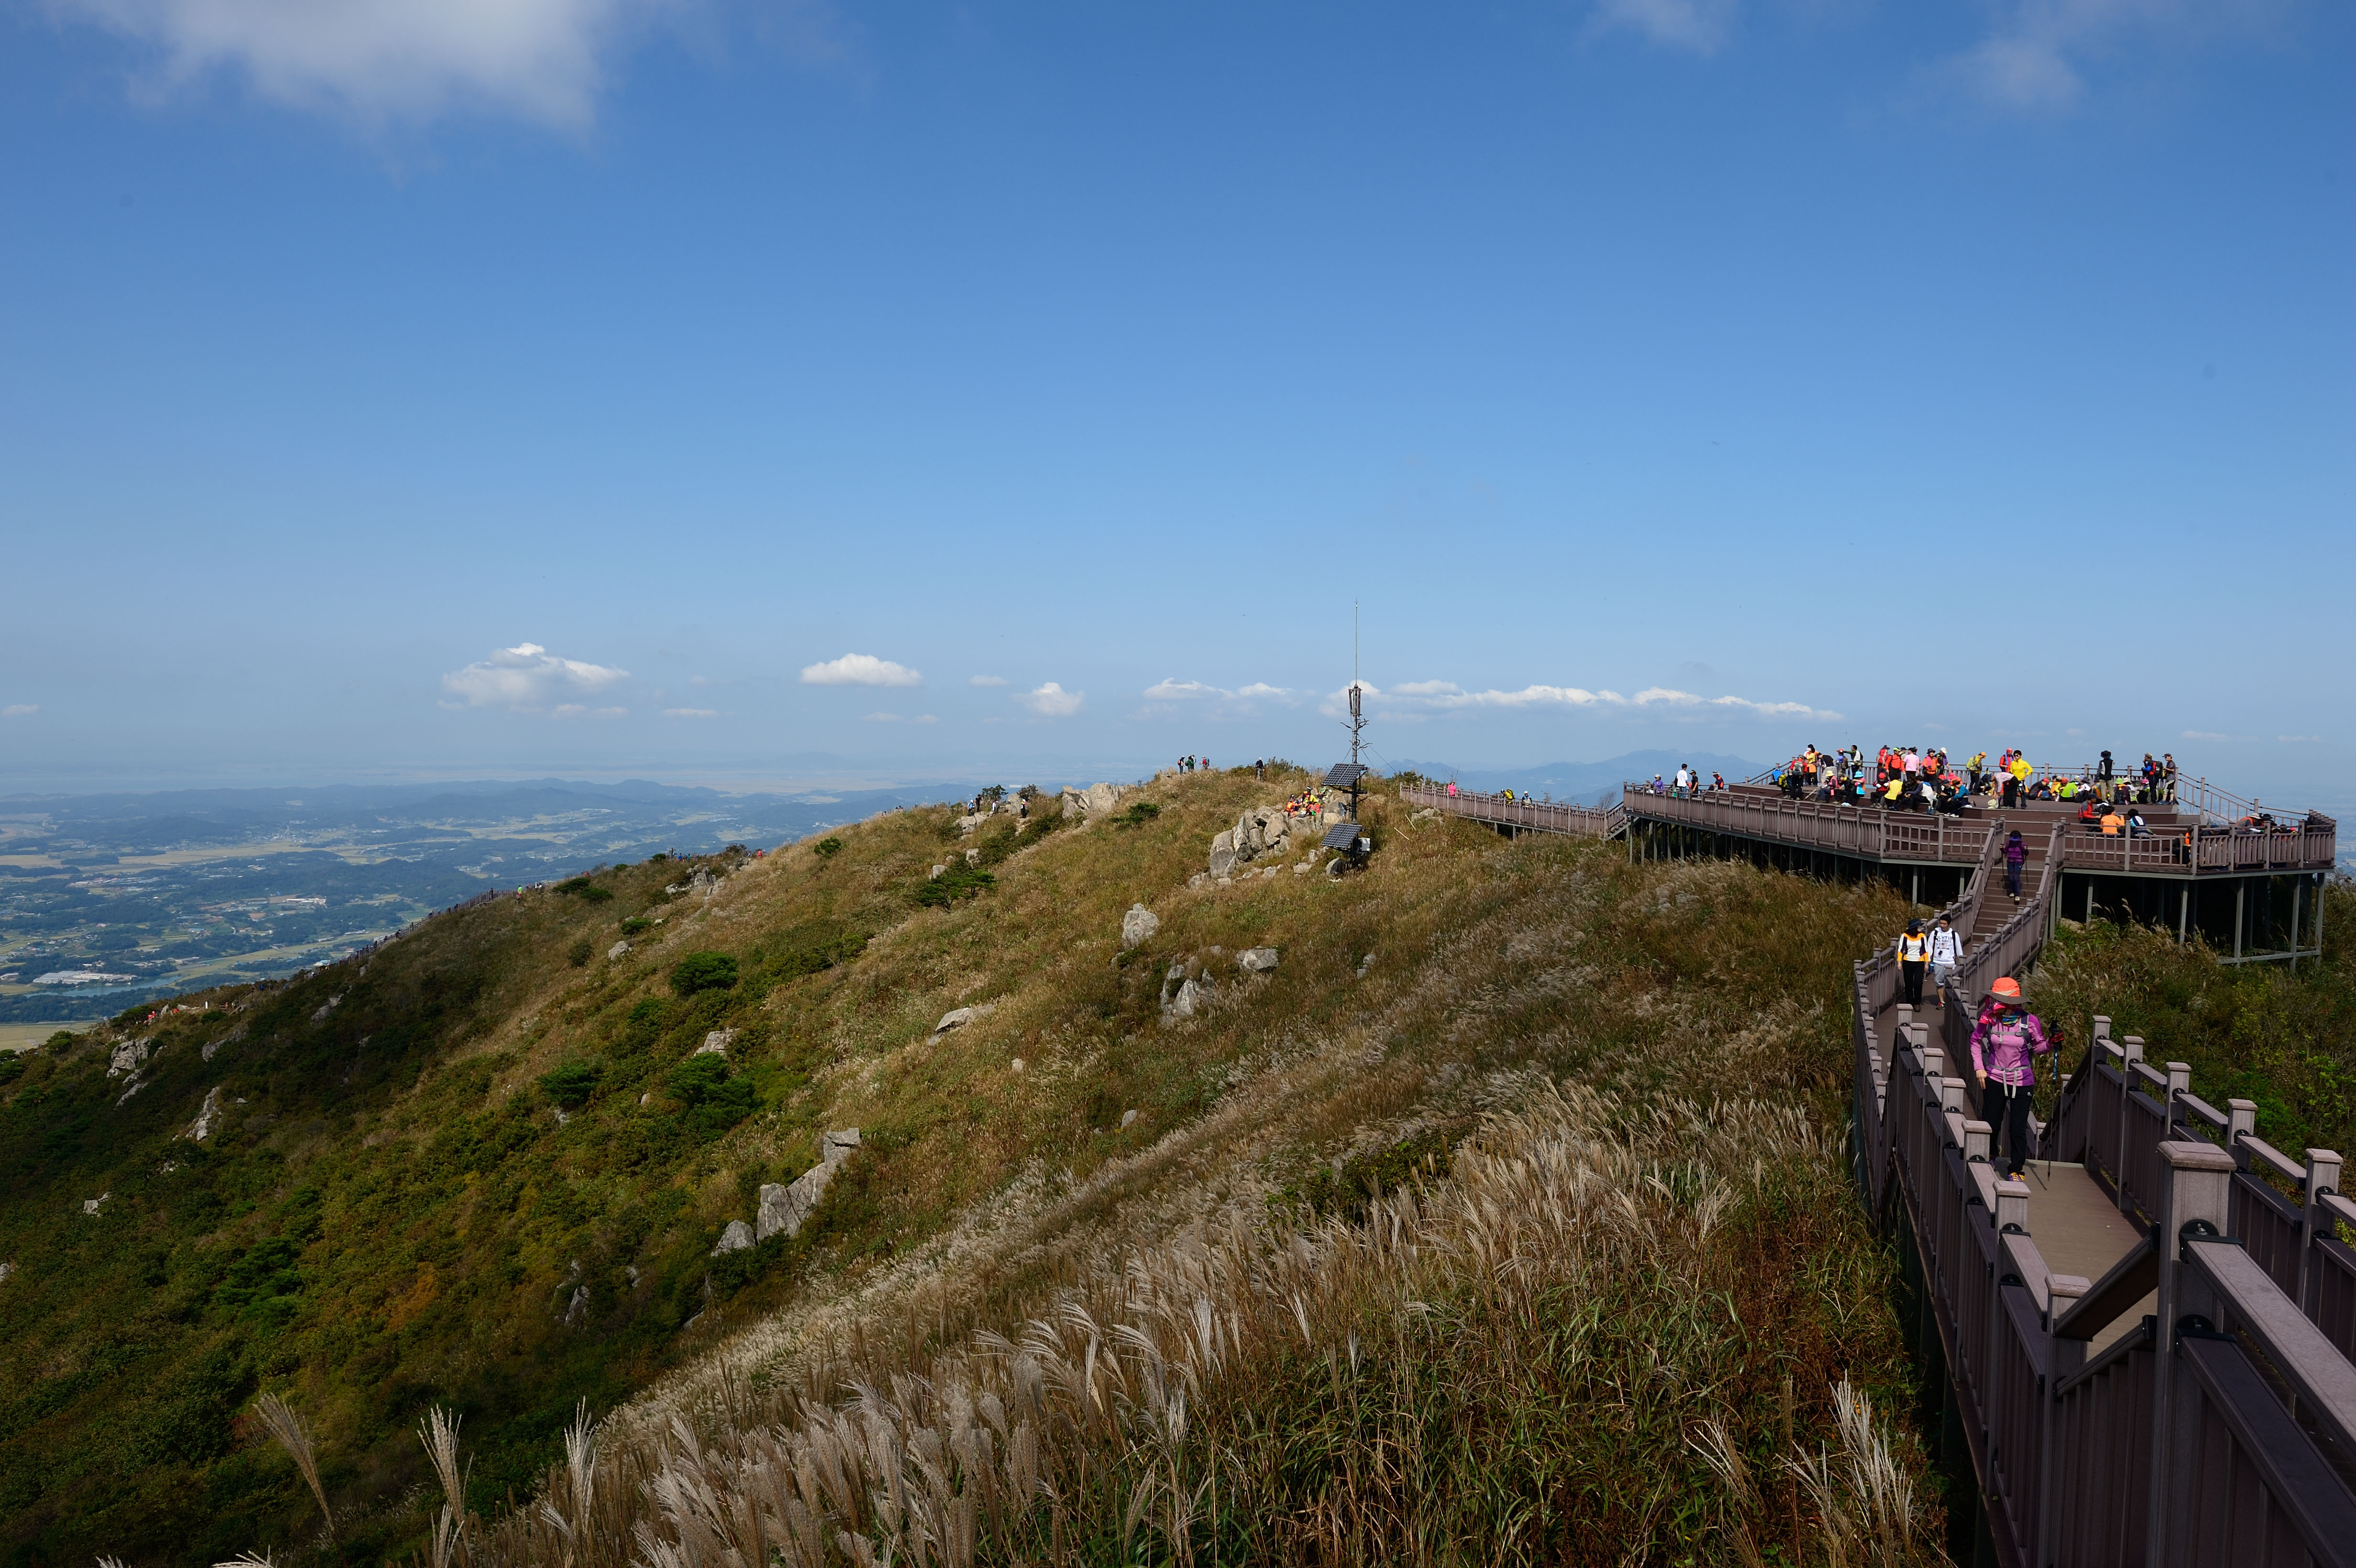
[(2014, 854), (2006, 1043), (1946, 951)]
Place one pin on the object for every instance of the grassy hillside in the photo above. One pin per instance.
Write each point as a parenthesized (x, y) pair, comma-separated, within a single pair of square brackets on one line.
[(2258, 1031), (1636, 1072)]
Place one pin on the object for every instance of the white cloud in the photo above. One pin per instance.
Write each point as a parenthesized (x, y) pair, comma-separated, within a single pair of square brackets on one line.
[(690, 713), (20, 711), (527, 678), (383, 60), (1052, 701), (859, 670), (579, 710), (2204, 735), (2295, 740), (1443, 695), (1175, 690), (2038, 53), (987, 680), (1698, 24), (897, 718)]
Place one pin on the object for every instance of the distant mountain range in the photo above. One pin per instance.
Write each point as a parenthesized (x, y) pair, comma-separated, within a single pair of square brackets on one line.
[(1583, 782)]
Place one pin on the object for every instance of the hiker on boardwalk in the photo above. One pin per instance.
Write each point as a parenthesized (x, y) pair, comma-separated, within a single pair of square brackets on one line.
[(1946, 951), (2015, 853), (1913, 959), (2006, 1043)]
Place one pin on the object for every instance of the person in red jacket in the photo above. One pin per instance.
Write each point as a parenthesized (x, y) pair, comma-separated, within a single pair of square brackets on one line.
[(2006, 1043)]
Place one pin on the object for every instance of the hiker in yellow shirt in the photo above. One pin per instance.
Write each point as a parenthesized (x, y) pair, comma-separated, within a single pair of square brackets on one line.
[(1914, 960)]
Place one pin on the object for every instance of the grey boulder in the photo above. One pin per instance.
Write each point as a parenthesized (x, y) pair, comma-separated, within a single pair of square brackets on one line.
[(1138, 925)]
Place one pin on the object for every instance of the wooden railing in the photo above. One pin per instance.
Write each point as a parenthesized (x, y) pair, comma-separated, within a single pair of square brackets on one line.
[(1868, 831), (2216, 1430), (1537, 816), (1876, 832)]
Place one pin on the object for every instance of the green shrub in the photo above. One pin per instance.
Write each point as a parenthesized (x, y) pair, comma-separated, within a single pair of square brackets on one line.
[(578, 955), (828, 848), (585, 891), (1137, 816), (703, 971), (959, 881), (710, 1099), (570, 1083), (1348, 1191), (59, 1041), (12, 1066), (635, 925)]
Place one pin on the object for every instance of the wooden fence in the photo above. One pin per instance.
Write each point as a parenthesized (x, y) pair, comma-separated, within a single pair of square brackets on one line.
[(1869, 832), (1536, 816), (2221, 1426)]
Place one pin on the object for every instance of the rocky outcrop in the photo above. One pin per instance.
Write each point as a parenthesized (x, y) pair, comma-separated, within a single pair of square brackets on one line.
[(716, 1043), (129, 1056), (734, 1238), (958, 1018), (206, 1115), (1184, 994), (1224, 859), (785, 1207), (1137, 926), (1096, 800), (619, 950), (1256, 960), (1259, 832)]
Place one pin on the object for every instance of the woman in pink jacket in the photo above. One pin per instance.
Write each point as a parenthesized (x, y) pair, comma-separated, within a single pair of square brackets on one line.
[(2006, 1043)]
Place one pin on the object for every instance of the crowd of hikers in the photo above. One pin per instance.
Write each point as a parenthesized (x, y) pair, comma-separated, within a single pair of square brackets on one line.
[(1929, 779)]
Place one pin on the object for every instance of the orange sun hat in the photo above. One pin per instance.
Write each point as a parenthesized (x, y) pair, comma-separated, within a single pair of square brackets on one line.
[(2006, 989)]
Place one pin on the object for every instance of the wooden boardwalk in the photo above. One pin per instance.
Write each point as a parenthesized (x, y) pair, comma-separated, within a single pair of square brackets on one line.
[(2143, 1346)]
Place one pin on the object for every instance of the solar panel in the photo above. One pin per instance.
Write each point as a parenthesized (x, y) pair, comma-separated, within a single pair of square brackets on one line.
[(1344, 837), (1342, 776)]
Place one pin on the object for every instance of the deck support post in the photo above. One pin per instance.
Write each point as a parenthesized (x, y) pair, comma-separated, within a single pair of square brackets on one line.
[(2183, 911), (2195, 1188), (2240, 892), (2297, 896)]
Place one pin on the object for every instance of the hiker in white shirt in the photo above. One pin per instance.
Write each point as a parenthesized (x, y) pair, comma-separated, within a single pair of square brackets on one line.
[(1946, 951)]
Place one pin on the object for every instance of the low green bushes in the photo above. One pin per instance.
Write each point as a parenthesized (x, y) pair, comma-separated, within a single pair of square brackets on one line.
[(703, 971)]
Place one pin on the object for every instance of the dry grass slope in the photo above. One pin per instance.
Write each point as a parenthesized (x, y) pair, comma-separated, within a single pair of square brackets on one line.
[(1633, 1316)]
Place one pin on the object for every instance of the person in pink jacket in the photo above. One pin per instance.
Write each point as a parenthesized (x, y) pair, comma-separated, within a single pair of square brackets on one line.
[(2006, 1043)]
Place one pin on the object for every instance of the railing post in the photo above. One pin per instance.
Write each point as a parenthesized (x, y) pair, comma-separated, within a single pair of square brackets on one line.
[(2062, 1357), (2193, 1192), (2180, 1082), (2241, 1122), (2102, 1027), (1975, 1142), (2130, 1053), (2322, 1177), (2012, 1207)]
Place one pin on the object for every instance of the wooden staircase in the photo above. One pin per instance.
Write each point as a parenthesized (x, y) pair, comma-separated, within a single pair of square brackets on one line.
[(1997, 906)]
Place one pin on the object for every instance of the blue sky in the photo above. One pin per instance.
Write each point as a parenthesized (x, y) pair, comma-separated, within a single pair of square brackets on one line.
[(1036, 387)]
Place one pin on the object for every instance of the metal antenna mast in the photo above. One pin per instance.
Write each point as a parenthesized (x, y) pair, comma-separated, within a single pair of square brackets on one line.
[(1357, 716)]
